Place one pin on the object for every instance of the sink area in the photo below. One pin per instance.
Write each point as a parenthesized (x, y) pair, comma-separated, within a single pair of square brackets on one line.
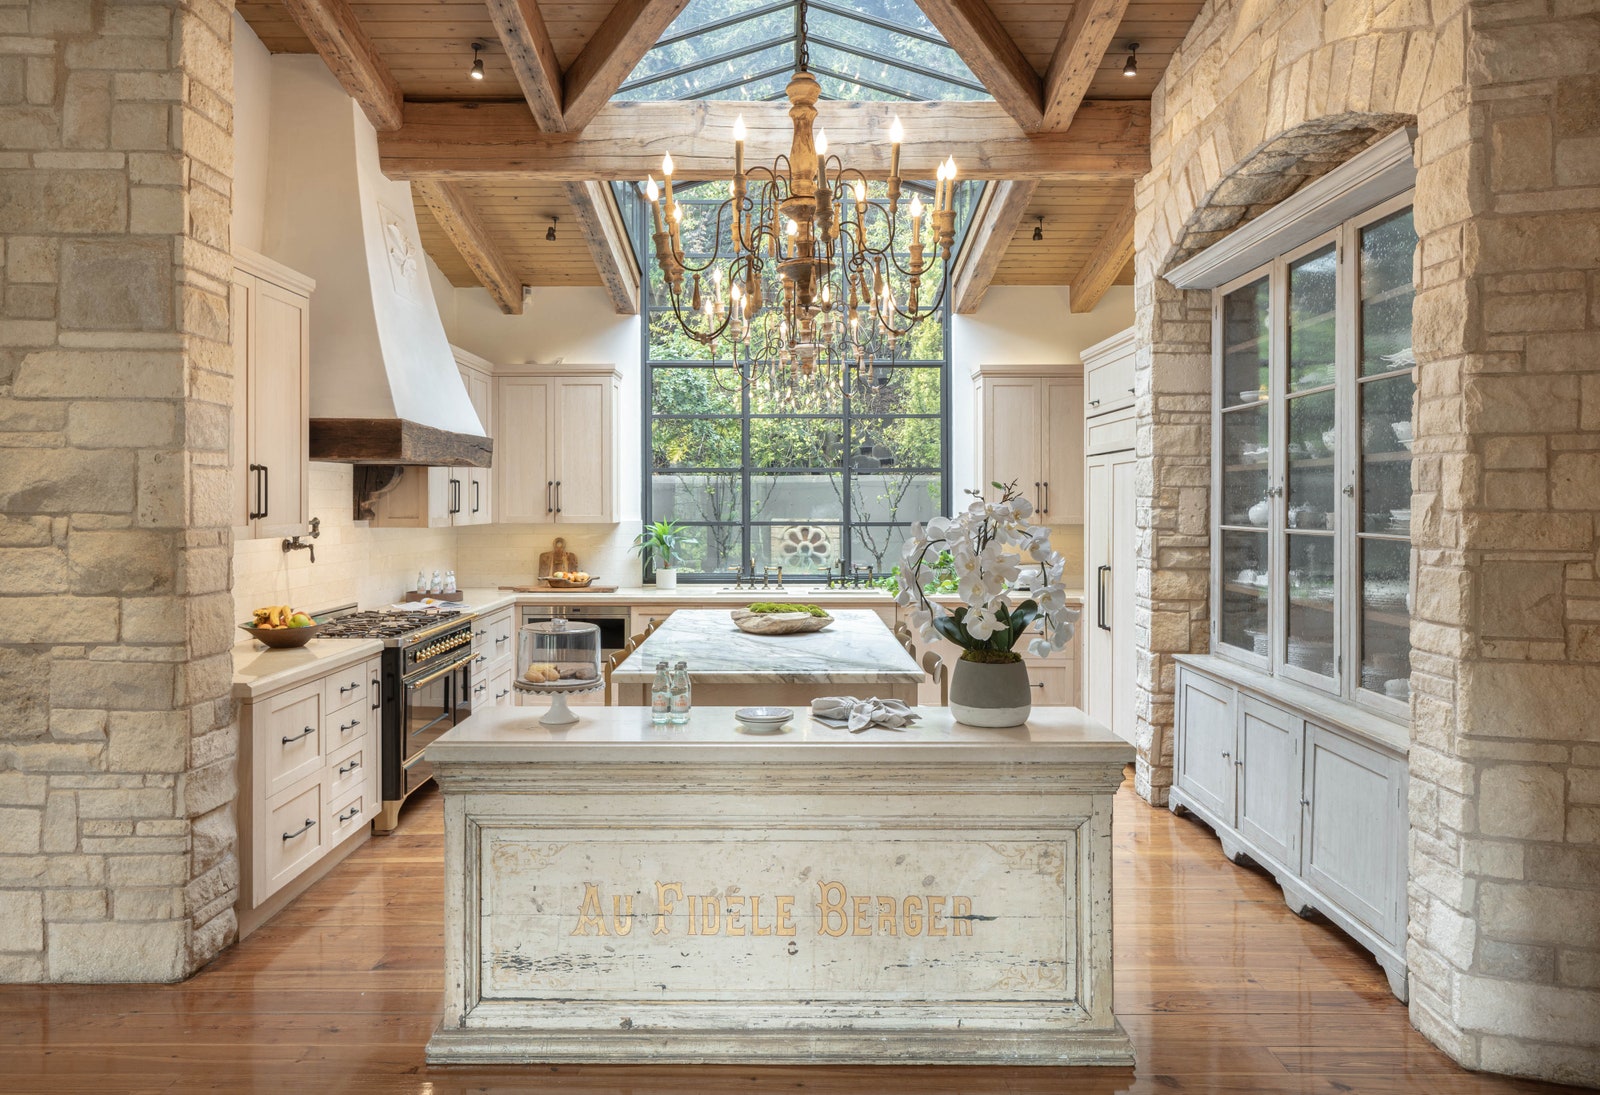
[(799, 593)]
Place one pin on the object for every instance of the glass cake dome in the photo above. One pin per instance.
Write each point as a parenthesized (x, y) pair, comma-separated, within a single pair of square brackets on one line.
[(557, 657)]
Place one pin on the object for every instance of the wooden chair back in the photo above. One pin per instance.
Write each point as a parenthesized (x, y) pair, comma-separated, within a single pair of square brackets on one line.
[(612, 662), (939, 674)]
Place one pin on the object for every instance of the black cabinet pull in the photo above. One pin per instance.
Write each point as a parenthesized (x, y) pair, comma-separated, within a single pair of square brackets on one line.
[(502, 695), (1046, 485), (307, 732), (558, 496), (266, 490), (475, 495), (306, 828), (259, 501), (347, 769), (354, 810), (549, 495), (351, 687), (1100, 596), (351, 725), (375, 702)]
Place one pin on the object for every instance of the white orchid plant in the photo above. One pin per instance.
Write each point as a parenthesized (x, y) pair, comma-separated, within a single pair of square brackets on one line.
[(987, 544)]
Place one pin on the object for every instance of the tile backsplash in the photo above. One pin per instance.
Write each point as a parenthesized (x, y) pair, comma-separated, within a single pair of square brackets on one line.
[(354, 563), (496, 555)]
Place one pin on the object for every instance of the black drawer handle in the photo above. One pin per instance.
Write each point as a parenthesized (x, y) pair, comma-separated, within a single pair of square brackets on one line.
[(348, 768), (306, 828), (351, 725), (354, 810), (502, 638), (307, 732), (351, 687), (502, 695)]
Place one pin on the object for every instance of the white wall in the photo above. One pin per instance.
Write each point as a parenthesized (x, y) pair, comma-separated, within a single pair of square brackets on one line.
[(1022, 325), (580, 327), (252, 103)]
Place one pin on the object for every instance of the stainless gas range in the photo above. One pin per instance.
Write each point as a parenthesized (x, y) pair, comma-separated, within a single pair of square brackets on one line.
[(427, 689)]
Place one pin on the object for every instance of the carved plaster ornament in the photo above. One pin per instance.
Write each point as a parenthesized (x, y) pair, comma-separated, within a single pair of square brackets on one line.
[(401, 251)]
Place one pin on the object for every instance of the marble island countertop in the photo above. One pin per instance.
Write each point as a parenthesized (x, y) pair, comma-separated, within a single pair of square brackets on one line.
[(483, 599), (626, 734), (857, 648)]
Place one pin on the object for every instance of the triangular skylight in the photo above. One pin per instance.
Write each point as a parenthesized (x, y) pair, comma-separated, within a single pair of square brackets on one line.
[(746, 50)]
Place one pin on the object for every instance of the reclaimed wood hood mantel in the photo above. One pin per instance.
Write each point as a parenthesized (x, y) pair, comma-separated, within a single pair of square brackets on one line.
[(396, 441)]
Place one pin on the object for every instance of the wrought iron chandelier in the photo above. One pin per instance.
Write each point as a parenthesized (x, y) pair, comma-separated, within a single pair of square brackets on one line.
[(844, 301)]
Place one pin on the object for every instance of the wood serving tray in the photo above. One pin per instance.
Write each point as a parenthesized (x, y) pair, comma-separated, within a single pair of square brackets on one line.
[(542, 587)]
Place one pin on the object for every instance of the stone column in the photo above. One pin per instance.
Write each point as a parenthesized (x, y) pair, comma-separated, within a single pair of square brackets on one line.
[(116, 734), (1505, 753)]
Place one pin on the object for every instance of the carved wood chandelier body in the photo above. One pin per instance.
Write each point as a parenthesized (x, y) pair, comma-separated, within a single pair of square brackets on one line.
[(845, 300)]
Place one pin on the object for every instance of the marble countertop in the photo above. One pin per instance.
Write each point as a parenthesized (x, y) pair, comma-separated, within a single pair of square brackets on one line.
[(509, 735), (259, 670), (487, 599), (857, 648)]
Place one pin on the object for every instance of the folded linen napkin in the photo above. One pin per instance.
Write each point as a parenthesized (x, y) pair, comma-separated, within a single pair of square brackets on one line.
[(859, 715)]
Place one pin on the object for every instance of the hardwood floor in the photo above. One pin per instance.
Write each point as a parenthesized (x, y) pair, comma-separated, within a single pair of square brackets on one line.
[(1221, 987)]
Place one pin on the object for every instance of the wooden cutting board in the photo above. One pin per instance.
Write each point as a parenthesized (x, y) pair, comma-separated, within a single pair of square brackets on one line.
[(542, 587), (558, 558)]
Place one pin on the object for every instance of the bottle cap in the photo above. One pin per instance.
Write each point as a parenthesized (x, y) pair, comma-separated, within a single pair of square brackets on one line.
[(680, 665), (661, 664)]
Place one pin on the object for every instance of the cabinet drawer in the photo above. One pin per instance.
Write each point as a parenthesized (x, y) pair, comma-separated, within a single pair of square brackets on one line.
[(492, 636), (500, 689), (347, 770), (1111, 433), (346, 687), (1052, 683), (288, 732), (1109, 384), (347, 726), (293, 835), (347, 815)]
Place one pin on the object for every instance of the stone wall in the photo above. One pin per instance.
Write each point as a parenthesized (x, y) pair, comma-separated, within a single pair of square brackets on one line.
[(1505, 758), (116, 736)]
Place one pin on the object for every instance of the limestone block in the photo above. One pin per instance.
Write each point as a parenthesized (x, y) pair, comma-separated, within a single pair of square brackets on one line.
[(112, 951), (64, 905), (162, 495), (62, 201), (122, 425), (101, 374), (205, 789), (1579, 969), (1527, 913), (20, 831), (1561, 1064), (222, 880), (135, 687), (211, 936), (123, 561), (1517, 1010), (60, 823), (117, 285), (1521, 599), (156, 903), (125, 803), (33, 570), (21, 921), (154, 741), (1575, 481), (213, 837), (147, 870), (61, 619)]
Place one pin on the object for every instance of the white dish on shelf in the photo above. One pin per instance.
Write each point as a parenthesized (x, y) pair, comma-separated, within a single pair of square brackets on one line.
[(1252, 396), (763, 720)]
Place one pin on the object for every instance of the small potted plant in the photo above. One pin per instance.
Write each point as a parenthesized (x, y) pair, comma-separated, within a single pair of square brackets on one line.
[(984, 547), (661, 546)]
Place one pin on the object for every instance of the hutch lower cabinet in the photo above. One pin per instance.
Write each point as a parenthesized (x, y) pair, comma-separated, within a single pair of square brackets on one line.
[(1304, 787)]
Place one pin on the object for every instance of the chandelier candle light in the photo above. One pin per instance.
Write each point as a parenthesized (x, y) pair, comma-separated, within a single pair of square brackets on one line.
[(989, 686), (835, 251)]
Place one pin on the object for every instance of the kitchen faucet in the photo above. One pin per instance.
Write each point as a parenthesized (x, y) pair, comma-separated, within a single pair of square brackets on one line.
[(294, 544)]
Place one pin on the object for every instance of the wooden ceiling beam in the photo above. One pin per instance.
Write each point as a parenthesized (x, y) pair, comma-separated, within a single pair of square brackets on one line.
[(600, 221), (988, 239), (1077, 58), (627, 34), (973, 31), (351, 57), (453, 210), (1109, 139), (1104, 263), (533, 59)]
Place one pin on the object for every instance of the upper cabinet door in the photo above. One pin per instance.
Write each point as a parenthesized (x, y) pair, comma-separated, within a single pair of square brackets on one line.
[(279, 440), (245, 502), (1011, 437), (1061, 437), (478, 510), (583, 457), (524, 479)]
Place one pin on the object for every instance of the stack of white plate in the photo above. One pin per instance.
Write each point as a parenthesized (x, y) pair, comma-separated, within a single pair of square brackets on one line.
[(763, 720)]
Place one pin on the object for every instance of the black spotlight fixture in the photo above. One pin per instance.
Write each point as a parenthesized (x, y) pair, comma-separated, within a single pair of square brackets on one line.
[(550, 233), (477, 62), (1038, 231), (1130, 67)]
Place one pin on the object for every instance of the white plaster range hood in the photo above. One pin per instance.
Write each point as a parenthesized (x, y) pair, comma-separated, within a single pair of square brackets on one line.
[(384, 385)]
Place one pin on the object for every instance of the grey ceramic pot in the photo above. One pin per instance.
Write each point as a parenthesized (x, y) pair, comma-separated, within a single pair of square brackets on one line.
[(986, 694)]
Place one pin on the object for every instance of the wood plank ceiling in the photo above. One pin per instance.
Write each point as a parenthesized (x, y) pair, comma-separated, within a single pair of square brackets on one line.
[(1038, 58)]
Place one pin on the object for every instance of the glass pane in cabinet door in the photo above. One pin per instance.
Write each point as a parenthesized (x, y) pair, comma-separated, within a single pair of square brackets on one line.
[(1312, 284), (1244, 344), (1310, 458), (1243, 622), (1387, 247), (1309, 635), (1386, 453), (1386, 617), (1244, 467)]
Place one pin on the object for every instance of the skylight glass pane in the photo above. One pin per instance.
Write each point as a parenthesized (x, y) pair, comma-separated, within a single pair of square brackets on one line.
[(860, 49)]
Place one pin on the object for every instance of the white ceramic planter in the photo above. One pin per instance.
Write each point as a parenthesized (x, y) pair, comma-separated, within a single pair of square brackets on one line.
[(667, 578), (987, 694)]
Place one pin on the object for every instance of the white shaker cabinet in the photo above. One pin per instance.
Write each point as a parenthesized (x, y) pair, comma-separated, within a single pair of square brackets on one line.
[(1029, 424), (270, 452), (555, 447), (447, 497)]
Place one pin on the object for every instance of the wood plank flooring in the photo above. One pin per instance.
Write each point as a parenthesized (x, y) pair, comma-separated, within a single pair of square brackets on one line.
[(1221, 987)]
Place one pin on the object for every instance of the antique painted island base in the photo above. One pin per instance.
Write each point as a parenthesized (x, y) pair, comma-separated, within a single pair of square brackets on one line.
[(622, 892)]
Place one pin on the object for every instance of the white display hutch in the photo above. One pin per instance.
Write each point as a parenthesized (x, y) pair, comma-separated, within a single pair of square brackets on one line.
[(1291, 735)]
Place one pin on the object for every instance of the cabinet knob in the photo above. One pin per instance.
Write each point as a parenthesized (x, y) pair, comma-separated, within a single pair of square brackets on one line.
[(1226, 754), (1305, 802)]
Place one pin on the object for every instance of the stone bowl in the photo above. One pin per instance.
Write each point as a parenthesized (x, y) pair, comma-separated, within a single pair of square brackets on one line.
[(778, 623), (282, 638)]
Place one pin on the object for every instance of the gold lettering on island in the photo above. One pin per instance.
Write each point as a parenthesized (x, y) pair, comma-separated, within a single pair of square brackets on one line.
[(731, 912)]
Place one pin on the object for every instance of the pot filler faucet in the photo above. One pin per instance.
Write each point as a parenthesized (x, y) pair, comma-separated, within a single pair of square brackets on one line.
[(294, 544)]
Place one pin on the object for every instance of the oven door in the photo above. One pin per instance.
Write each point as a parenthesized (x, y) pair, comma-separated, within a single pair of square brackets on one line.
[(612, 622), (433, 703)]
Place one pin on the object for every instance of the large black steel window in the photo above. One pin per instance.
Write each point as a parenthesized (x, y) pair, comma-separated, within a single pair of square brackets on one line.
[(807, 475)]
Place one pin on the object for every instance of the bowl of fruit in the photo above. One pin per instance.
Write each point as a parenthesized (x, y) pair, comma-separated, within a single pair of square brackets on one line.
[(281, 626), (570, 579)]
